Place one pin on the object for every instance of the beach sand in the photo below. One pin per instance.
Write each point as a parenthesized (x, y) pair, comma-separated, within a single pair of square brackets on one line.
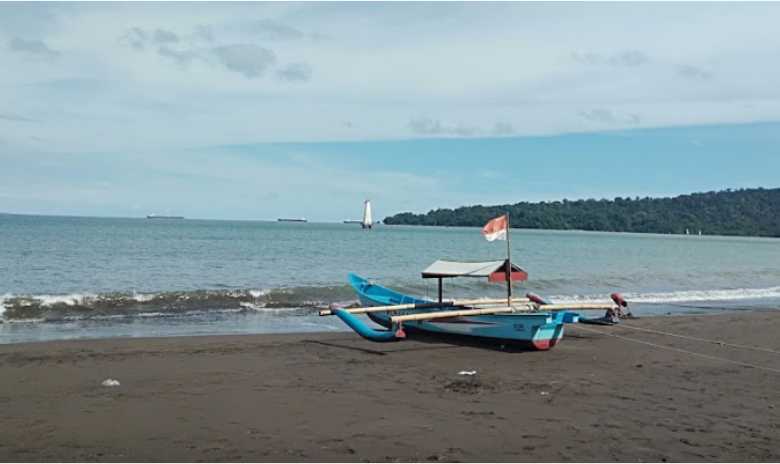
[(336, 397)]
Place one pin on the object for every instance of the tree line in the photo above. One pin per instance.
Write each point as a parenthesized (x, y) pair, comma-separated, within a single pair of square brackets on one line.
[(728, 212)]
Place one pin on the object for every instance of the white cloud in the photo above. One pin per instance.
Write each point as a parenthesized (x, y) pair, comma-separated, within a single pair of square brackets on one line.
[(32, 47), (693, 72), (608, 116), (14, 117), (628, 58), (178, 75), (269, 29), (248, 59), (295, 72), (429, 126)]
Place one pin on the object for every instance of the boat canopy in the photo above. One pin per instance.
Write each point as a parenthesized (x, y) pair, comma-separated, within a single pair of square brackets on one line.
[(495, 271)]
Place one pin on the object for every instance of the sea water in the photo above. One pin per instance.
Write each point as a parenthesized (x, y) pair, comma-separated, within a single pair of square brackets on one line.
[(76, 277)]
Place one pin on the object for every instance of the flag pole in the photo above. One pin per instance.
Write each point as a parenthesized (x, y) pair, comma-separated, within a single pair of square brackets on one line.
[(508, 265)]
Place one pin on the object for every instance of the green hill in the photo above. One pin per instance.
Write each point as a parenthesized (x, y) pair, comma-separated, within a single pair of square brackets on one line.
[(728, 212)]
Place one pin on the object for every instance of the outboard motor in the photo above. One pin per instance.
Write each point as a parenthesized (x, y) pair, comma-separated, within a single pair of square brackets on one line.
[(621, 304), (619, 300), (537, 299), (613, 315)]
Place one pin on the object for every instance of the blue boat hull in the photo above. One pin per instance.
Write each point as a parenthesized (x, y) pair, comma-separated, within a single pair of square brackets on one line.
[(540, 331)]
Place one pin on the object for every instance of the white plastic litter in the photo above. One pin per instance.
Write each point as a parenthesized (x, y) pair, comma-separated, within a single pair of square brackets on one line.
[(467, 373), (110, 383)]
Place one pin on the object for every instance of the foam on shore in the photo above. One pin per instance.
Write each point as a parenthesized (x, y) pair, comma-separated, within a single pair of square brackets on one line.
[(290, 301)]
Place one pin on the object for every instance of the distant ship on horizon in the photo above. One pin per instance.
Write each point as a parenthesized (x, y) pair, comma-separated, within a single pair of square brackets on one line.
[(162, 216), (292, 220)]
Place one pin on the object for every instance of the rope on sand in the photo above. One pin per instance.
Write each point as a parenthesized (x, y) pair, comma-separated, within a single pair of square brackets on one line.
[(715, 342), (680, 350)]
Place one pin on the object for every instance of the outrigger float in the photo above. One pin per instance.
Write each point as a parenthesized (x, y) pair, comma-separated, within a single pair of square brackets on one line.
[(534, 322)]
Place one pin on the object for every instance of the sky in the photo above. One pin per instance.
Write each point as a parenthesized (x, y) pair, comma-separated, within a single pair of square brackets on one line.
[(264, 110)]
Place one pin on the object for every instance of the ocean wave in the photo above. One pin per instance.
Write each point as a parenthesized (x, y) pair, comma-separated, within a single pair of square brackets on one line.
[(679, 296), (291, 301), (159, 304)]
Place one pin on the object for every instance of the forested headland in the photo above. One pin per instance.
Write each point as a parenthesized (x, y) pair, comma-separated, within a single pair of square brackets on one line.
[(728, 212)]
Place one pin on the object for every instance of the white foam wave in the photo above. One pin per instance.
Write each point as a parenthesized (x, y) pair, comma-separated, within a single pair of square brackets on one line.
[(144, 297), (3, 298), (679, 296), (257, 293), (251, 306), (262, 308), (150, 314), (24, 321), (72, 299)]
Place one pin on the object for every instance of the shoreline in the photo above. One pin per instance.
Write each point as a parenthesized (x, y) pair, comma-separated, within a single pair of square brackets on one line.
[(335, 397), (336, 327)]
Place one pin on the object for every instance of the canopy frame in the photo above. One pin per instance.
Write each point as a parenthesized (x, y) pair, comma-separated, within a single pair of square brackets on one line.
[(495, 271)]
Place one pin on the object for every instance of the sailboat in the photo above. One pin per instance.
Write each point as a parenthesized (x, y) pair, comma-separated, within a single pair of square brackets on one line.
[(367, 219)]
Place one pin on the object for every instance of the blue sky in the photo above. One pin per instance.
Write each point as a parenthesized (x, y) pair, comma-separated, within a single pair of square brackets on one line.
[(255, 111)]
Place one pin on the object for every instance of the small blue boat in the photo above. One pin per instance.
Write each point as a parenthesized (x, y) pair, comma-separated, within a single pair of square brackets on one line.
[(527, 323)]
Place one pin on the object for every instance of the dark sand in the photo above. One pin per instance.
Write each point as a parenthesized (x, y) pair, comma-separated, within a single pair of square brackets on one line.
[(335, 397)]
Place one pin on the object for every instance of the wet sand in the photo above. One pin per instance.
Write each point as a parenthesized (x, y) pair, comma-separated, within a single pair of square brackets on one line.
[(335, 397)]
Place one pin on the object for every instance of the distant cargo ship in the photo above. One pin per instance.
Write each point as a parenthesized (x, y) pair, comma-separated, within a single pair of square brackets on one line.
[(292, 220), (353, 221), (159, 216)]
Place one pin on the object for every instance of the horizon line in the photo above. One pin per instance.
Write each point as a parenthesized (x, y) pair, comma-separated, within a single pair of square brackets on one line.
[(339, 221)]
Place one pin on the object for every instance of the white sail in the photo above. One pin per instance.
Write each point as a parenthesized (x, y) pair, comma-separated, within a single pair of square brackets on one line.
[(367, 219)]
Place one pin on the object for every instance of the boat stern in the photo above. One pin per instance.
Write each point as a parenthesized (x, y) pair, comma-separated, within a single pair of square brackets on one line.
[(549, 334)]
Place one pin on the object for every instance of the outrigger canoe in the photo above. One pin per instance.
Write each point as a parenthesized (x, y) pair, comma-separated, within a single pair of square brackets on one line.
[(532, 322)]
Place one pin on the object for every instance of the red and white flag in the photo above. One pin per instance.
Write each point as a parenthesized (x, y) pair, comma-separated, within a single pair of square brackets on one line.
[(495, 229)]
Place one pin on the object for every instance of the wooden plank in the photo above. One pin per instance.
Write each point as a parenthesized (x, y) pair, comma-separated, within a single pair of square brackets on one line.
[(453, 303)]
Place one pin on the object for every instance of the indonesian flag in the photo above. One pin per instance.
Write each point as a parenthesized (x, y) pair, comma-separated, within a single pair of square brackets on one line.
[(495, 229)]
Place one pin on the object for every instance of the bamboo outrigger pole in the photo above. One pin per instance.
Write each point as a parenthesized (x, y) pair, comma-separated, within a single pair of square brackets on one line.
[(453, 303), (564, 307), (502, 309), (444, 314)]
